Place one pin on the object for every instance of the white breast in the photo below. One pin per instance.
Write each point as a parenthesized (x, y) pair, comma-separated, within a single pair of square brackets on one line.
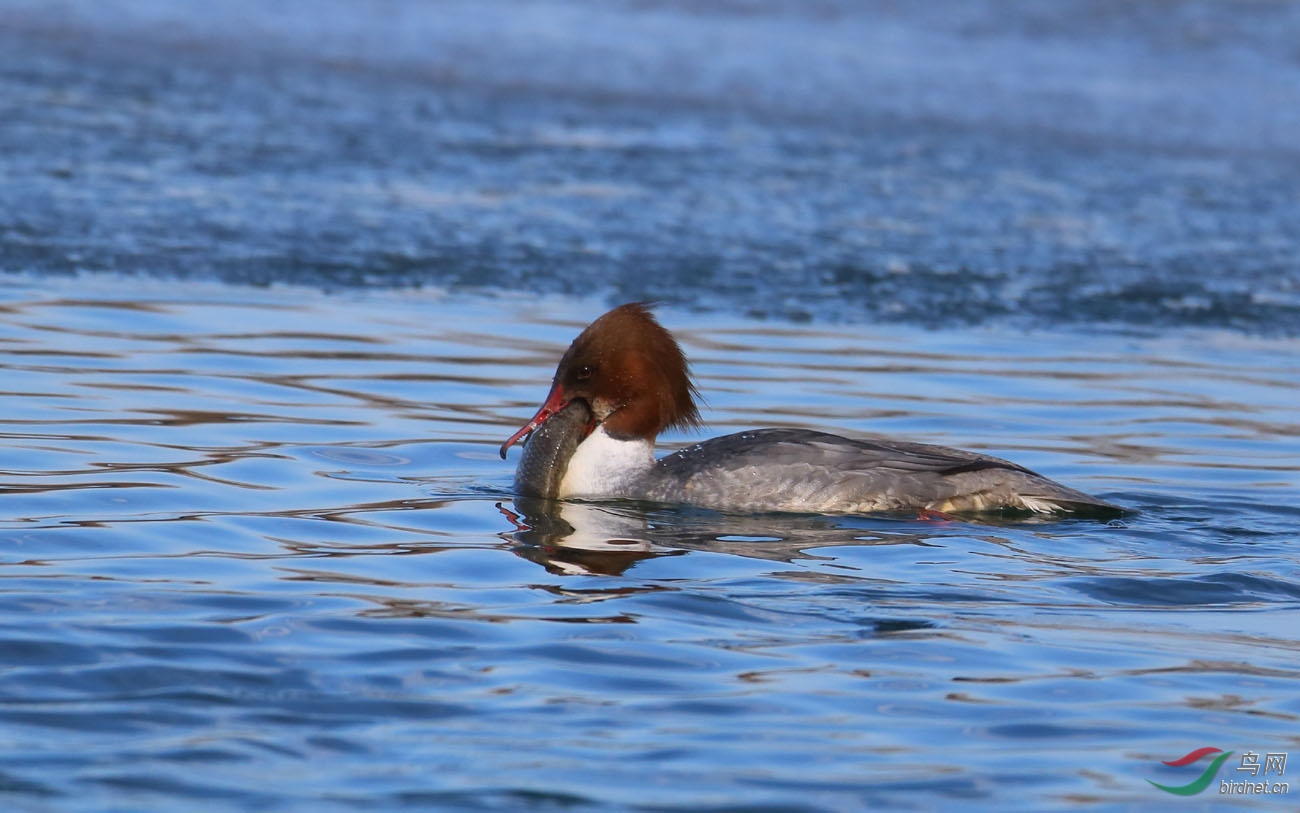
[(606, 467)]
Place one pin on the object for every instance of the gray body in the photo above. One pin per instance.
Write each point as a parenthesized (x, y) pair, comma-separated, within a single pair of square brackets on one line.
[(810, 472), (802, 470)]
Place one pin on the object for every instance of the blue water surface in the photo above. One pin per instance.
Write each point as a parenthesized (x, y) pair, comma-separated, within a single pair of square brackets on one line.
[(259, 552), (278, 280)]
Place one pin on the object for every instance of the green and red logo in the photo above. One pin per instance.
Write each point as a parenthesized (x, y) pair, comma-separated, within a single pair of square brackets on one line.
[(1201, 782)]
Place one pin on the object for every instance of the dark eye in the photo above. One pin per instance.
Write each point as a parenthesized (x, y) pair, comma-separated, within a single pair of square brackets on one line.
[(583, 373)]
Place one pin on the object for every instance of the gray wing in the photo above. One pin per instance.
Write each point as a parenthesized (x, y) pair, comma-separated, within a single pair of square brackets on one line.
[(801, 470)]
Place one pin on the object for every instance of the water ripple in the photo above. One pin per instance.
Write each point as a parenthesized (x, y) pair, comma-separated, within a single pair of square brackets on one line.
[(307, 561)]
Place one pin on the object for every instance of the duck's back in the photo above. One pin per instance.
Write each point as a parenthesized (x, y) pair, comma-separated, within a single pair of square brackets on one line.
[(802, 470)]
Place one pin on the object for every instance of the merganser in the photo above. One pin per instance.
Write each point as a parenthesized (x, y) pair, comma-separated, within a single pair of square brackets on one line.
[(625, 379)]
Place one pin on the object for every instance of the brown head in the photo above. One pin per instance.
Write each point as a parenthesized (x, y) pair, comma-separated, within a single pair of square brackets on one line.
[(630, 371)]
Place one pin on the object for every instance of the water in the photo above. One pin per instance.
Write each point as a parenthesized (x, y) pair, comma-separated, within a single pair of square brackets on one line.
[(967, 162), (261, 535), (279, 283)]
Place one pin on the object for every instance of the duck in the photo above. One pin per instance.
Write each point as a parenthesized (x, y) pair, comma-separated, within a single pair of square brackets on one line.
[(625, 379)]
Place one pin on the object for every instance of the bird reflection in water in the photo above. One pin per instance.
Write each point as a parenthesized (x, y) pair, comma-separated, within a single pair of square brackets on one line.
[(576, 538)]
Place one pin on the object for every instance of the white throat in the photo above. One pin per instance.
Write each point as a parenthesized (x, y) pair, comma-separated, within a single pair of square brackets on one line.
[(606, 467)]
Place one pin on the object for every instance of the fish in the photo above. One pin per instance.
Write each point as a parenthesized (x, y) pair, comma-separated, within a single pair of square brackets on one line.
[(548, 450)]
